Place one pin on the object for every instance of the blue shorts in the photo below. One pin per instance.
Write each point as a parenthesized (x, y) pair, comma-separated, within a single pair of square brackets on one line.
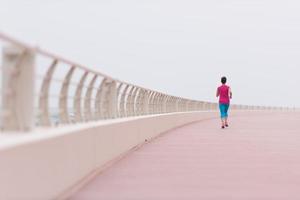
[(224, 110)]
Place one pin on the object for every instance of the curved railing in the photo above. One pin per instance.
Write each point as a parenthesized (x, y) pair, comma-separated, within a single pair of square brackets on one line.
[(40, 88)]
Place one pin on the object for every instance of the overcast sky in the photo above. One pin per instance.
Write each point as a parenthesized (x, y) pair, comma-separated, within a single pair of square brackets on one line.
[(178, 47)]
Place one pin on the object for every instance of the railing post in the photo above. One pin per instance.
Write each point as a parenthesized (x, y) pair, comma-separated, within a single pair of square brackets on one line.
[(138, 102), (145, 105), (152, 102), (118, 99), (88, 115), (18, 89), (77, 100), (108, 99), (134, 102), (155, 103), (123, 101), (64, 115), (45, 118), (164, 103)]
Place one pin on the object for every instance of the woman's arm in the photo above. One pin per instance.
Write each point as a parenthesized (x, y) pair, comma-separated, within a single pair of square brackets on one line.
[(230, 93), (217, 93)]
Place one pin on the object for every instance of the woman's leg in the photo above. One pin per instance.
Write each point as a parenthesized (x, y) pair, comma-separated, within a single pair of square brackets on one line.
[(226, 113), (222, 113)]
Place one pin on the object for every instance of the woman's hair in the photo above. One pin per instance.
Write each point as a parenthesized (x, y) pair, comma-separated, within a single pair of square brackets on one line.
[(223, 80)]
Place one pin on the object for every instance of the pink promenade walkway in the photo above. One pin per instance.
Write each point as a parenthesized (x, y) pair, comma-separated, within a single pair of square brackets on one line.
[(258, 157)]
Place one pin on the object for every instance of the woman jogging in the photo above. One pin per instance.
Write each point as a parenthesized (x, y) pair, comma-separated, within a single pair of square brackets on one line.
[(224, 93)]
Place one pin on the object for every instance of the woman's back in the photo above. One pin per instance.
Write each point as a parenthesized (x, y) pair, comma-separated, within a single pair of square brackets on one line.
[(223, 91)]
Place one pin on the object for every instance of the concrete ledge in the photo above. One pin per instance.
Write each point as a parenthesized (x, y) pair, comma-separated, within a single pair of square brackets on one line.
[(46, 163)]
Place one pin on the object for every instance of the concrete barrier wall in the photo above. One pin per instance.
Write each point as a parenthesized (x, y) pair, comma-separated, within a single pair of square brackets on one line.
[(47, 163)]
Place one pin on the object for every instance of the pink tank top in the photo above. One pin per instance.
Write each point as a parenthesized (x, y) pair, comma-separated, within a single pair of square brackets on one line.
[(223, 91)]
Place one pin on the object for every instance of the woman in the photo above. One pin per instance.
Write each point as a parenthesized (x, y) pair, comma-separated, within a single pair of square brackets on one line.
[(224, 93)]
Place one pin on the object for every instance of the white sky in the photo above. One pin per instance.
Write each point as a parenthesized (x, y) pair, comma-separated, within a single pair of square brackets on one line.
[(178, 47)]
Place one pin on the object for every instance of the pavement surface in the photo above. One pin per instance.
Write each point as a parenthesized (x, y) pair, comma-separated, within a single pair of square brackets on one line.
[(256, 158)]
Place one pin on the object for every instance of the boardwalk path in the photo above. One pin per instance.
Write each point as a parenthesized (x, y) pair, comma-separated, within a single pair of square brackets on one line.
[(258, 157)]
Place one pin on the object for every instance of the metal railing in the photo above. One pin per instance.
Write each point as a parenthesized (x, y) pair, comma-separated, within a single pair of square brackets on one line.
[(67, 92)]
